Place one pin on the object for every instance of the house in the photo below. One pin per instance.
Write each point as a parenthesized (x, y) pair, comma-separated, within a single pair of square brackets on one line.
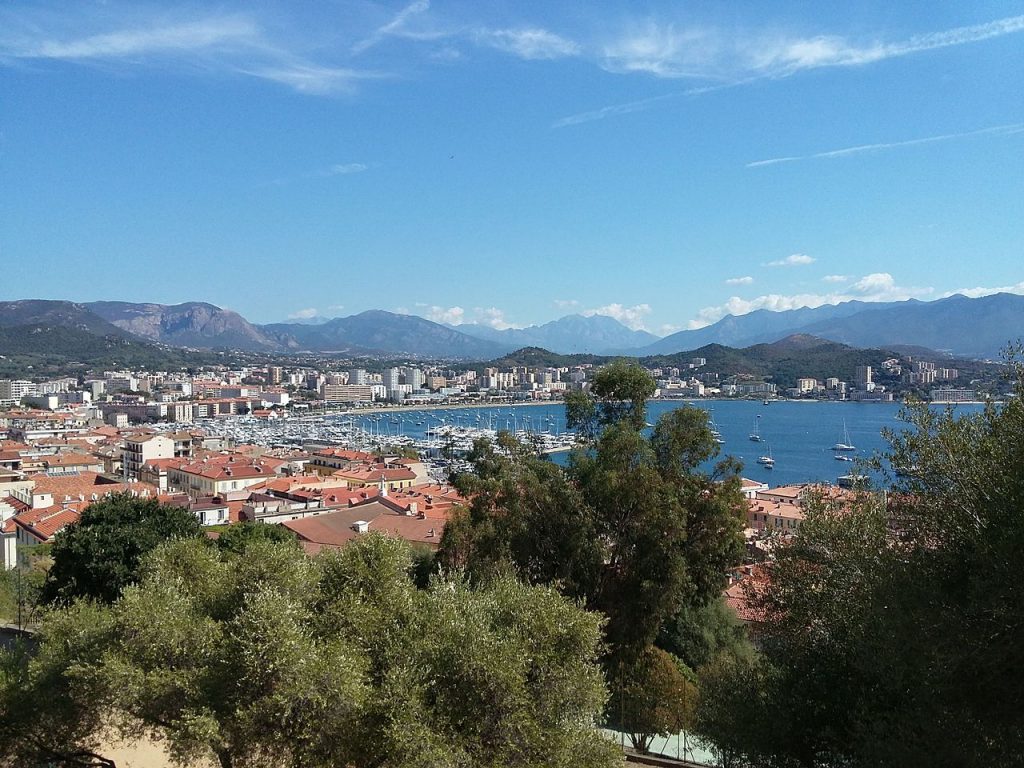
[(139, 449), (333, 530), (395, 478), (220, 474)]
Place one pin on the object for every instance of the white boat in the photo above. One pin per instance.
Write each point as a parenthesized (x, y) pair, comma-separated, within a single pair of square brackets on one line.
[(714, 428), (755, 436), (767, 461), (844, 444), (841, 457)]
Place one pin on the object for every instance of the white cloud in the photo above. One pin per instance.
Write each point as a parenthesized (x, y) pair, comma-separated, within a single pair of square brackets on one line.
[(673, 51), (610, 111), (745, 280), (668, 329), (312, 79), (878, 286), (188, 37), (528, 43), (835, 278), (303, 314), (974, 293), (795, 260), (493, 317), (343, 169), (397, 27), (997, 130), (449, 315), (631, 317), (231, 44), (565, 303)]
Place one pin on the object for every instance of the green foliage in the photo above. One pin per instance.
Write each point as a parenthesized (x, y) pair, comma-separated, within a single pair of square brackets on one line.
[(539, 357), (20, 594), (653, 696), (632, 527), (698, 633), (525, 517), (891, 632), (237, 538), (99, 556), (266, 657), (618, 395)]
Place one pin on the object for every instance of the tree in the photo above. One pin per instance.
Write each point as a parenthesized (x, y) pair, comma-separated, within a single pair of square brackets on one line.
[(267, 657), (633, 527), (98, 556), (654, 696), (891, 630), (236, 538), (525, 517), (696, 634)]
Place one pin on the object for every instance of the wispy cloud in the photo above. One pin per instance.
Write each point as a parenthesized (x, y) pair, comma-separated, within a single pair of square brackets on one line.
[(746, 280), (528, 43), (631, 317), (303, 314), (313, 79), (565, 303), (610, 111), (343, 169), (878, 286), (234, 44), (794, 260), (397, 27), (997, 130), (669, 50), (835, 278), (829, 51), (193, 36)]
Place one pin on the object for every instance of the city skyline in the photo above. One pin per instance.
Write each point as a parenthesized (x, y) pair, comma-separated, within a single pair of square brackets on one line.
[(511, 164)]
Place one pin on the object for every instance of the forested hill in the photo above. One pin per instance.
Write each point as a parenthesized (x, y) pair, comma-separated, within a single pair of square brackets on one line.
[(782, 362), (41, 350)]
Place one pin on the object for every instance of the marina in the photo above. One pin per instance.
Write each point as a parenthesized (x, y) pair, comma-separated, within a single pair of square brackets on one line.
[(797, 437)]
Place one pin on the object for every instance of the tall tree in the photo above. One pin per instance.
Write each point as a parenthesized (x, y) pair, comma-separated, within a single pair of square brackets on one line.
[(891, 630), (98, 556), (633, 527)]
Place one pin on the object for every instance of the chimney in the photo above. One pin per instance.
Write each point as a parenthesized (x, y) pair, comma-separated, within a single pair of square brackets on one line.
[(414, 509)]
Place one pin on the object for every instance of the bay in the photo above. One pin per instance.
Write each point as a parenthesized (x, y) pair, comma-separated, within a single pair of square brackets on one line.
[(799, 434)]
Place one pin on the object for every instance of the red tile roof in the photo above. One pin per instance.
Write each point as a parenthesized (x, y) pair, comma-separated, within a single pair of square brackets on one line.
[(335, 529)]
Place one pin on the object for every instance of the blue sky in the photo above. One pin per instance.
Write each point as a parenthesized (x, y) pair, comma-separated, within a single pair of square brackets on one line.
[(508, 163)]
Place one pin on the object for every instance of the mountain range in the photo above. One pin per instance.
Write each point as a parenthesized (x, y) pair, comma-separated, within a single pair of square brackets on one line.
[(962, 326), (572, 334)]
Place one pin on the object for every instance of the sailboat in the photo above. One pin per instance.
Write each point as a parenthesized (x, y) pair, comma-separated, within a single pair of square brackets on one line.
[(714, 428), (844, 444), (755, 436), (767, 461)]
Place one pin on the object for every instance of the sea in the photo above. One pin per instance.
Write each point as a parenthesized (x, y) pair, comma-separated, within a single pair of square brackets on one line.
[(798, 435)]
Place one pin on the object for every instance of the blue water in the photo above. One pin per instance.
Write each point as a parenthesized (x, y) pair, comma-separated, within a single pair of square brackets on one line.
[(800, 434)]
